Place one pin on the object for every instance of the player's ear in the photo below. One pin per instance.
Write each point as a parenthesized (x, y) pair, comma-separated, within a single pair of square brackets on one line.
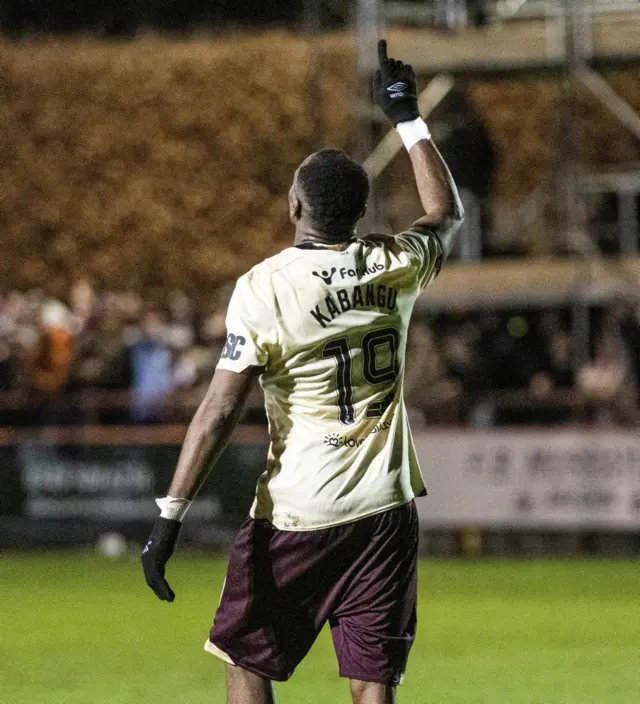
[(295, 206)]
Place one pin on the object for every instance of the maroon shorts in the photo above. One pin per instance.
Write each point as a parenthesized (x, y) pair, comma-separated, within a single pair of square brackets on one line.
[(283, 586)]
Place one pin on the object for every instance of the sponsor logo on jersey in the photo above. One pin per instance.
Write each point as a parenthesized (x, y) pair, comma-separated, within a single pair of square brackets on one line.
[(360, 273), (382, 426), (337, 440), (363, 296), (326, 276)]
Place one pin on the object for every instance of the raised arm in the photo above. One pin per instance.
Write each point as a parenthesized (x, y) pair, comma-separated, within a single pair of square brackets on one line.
[(443, 212), (396, 94)]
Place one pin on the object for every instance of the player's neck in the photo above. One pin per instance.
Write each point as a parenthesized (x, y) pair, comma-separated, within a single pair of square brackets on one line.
[(310, 236)]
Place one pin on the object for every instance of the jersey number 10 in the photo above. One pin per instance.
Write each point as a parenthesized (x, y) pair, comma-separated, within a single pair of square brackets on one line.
[(372, 372)]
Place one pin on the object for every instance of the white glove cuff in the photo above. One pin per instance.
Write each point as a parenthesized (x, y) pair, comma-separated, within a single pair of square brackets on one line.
[(174, 509), (413, 132)]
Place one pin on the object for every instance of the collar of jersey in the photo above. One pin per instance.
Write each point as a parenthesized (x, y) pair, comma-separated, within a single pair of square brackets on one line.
[(315, 245)]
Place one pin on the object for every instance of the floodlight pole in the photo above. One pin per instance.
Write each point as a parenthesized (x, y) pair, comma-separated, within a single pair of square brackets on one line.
[(368, 28)]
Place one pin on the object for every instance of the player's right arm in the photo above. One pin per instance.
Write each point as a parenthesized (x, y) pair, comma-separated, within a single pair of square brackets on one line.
[(251, 330), (443, 213), (396, 94)]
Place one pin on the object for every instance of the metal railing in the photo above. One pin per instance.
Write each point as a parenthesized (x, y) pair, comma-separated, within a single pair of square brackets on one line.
[(106, 413)]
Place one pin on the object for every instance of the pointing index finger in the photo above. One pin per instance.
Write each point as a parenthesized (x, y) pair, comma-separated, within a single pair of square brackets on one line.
[(382, 52)]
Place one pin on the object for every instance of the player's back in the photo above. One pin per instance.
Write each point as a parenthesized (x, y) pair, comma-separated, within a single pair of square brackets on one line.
[(330, 327)]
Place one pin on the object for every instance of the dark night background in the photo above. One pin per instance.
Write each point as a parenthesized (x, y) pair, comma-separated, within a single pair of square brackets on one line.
[(122, 17)]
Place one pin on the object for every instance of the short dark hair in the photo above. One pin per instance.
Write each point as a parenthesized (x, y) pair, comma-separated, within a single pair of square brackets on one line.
[(335, 189)]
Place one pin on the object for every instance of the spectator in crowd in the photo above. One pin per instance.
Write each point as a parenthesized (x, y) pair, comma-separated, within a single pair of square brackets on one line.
[(54, 354), (512, 360), (151, 376), (431, 394), (459, 348), (459, 353), (83, 304), (510, 353), (51, 365), (557, 354), (555, 375), (23, 310), (606, 381), (461, 368), (602, 378), (101, 351)]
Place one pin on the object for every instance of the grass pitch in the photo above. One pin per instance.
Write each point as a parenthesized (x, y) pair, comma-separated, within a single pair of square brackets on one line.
[(79, 629)]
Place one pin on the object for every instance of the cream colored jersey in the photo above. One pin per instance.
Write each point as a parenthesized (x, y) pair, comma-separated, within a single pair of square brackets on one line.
[(330, 329)]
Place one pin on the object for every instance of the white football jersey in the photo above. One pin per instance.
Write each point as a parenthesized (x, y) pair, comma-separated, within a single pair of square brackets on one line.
[(330, 329)]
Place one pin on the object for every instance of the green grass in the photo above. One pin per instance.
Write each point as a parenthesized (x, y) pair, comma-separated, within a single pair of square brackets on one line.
[(78, 629)]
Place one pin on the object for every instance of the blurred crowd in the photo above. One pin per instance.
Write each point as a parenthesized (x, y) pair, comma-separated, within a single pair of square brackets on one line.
[(111, 340), (514, 368), (479, 369)]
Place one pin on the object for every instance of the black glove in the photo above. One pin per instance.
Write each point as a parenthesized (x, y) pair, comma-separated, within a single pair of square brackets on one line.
[(395, 88), (156, 554)]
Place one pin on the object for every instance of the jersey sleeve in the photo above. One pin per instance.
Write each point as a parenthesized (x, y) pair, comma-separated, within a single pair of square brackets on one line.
[(251, 328), (424, 250)]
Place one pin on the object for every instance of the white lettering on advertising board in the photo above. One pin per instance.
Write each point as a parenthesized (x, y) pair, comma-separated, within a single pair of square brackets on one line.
[(531, 478)]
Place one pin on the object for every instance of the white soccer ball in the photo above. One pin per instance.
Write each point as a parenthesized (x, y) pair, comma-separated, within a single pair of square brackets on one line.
[(111, 545)]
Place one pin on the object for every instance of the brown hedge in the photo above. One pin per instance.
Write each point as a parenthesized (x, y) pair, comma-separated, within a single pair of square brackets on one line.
[(153, 162), (159, 163)]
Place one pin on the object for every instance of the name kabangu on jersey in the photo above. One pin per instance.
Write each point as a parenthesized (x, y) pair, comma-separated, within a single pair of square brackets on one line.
[(330, 330)]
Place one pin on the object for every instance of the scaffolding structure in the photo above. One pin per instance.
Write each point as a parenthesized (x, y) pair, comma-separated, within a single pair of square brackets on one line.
[(573, 39)]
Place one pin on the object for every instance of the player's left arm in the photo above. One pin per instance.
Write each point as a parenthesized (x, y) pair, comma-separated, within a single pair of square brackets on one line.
[(206, 439)]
